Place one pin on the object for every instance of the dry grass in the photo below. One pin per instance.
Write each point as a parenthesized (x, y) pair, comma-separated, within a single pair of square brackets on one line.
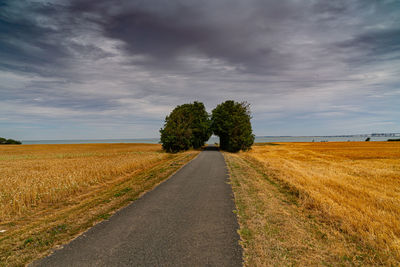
[(353, 185), (37, 174), (275, 231), (51, 193)]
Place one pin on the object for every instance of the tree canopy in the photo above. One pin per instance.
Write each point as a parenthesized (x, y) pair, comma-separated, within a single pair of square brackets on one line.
[(231, 122), (188, 126)]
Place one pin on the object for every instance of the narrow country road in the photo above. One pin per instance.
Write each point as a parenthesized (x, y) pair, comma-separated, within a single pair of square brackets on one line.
[(186, 221)]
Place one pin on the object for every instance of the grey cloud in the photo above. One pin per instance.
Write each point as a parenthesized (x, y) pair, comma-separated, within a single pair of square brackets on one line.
[(54, 94), (37, 37), (24, 43), (135, 60), (166, 32), (375, 44), (255, 36)]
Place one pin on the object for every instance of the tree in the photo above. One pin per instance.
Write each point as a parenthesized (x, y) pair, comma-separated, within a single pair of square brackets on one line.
[(231, 122), (4, 141), (188, 126), (13, 142)]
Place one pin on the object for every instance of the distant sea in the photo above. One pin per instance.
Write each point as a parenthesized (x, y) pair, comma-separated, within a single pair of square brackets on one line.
[(258, 139)]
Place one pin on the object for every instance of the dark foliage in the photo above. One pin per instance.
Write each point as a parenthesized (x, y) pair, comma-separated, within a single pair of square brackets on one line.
[(231, 122), (4, 141), (188, 126), (393, 140)]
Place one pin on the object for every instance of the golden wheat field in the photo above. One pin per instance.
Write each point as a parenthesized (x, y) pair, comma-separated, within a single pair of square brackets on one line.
[(49, 194), (34, 175), (354, 185)]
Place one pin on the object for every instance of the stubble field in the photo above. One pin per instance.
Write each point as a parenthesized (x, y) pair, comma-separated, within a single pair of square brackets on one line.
[(352, 186), (50, 193)]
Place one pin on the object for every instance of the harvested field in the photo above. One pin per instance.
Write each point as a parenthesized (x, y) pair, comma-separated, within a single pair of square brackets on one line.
[(32, 175), (50, 193), (353, 186)]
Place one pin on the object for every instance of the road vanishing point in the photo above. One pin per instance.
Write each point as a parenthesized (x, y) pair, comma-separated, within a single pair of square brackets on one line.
[(186, 221)]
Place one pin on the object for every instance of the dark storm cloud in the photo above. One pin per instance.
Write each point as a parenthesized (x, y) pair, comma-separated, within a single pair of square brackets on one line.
[(35, 37), (253, 36), (164, 32), (26, 45)]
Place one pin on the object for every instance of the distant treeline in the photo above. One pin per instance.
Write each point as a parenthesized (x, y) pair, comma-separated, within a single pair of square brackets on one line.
[(394, 139), (4, 141)]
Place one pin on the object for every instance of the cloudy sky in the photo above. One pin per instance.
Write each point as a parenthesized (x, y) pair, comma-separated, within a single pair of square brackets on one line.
[(114, 69)]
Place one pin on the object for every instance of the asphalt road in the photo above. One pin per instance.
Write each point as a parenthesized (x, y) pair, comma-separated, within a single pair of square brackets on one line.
[(186, 221)]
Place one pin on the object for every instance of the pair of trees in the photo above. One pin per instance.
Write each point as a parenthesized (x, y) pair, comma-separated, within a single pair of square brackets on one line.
[(190, 126)]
